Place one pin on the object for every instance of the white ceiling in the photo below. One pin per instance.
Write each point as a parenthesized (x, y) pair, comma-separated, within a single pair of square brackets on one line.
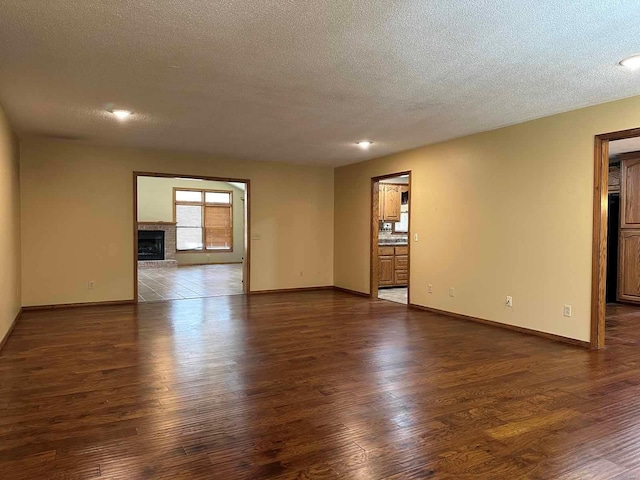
[(404, 179), (627, 145), (300, 81)]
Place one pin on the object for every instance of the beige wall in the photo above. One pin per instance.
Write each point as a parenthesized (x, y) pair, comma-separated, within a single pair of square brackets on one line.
[(507, 212), (155, 204), (9, 226), (77, 219)]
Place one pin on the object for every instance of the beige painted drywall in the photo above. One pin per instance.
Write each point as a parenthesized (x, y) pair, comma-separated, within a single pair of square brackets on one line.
[(9, 226), (77, 219), (155, 204), (507, 212)]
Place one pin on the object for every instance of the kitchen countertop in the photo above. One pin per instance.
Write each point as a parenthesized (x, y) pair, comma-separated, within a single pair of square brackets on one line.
[(392, 244)]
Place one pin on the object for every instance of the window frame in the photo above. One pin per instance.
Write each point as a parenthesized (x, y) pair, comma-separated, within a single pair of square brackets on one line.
[(203, 204)]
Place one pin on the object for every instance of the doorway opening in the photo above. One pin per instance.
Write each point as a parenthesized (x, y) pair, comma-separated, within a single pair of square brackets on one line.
[(190, 236), (390, 234), (615, 290)]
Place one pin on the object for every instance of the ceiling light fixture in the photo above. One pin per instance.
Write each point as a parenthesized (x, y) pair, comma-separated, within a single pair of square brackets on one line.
[(121, 114), (364, 144), (632, 62)]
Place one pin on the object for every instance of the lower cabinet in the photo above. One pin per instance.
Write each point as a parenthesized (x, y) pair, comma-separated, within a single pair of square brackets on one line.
[(385, 271), (629, 266), (401, 278), (393, 266)]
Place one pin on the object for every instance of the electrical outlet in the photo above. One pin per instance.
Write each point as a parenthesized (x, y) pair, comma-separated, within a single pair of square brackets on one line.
[(92, 284), (256, 236), (567, 310), (509, 302), (452, 292), (430, 288)]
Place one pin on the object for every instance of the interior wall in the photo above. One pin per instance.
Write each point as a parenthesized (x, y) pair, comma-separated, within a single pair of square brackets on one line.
[(81, 198), (506, 212), (10, 295), (155, 204)]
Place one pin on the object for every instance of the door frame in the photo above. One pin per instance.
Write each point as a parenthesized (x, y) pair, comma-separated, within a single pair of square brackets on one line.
[(246, 277), (373, 247), (600, 227)]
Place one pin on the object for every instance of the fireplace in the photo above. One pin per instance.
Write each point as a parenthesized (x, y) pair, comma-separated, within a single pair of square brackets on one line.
[(157, 245), (150, 245)]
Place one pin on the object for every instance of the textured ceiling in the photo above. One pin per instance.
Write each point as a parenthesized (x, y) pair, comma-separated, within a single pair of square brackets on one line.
[(300, 81)]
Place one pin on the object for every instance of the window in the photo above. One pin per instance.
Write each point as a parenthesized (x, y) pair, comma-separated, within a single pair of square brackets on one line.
[(403, 225), (204, 219)]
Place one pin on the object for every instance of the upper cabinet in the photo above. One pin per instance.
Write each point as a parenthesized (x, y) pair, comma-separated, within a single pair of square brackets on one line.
[(389, 201), (629, 232), (630, 194)]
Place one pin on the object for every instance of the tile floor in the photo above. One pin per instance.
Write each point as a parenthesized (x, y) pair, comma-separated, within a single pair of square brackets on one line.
[(189, 281), (398, 294)]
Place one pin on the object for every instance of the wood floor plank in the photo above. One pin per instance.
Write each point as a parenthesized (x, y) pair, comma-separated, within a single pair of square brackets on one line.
[(310, 385)]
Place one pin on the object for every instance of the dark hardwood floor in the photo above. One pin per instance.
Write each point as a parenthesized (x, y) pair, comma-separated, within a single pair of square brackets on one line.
[(315, 385)]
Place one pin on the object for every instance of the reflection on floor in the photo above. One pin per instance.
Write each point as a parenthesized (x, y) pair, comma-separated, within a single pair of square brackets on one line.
[(622, 324), (398, 295), (310, 385), (189, 281)]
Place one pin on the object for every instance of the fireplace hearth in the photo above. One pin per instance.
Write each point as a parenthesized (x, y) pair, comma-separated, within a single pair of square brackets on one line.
[(150, 245)]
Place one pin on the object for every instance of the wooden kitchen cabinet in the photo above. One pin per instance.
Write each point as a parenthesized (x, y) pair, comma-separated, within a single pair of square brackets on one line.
[(385, 251), (392, 200), (401, 262), (386, 274), (629, 232), (629, 266), (389, 201), (393, 266), (400, 278), (629, 194)]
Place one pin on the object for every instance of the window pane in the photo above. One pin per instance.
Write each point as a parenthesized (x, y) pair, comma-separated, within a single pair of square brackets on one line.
[(217, 197), (188, 215), (403, 224), (188, 196), (218, 227), (189, 238)]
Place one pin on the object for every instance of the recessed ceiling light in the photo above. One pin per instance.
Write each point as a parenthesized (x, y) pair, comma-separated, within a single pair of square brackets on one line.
[(632, 63), (364, 144), (121, 114)]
